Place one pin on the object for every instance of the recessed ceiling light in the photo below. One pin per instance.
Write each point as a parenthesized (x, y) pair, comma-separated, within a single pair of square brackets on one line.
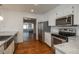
[(32, 10)]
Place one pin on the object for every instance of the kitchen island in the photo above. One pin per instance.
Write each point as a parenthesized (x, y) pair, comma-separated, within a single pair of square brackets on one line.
[(7, 45)]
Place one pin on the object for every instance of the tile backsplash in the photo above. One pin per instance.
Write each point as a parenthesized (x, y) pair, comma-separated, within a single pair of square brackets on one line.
[(54, 30)]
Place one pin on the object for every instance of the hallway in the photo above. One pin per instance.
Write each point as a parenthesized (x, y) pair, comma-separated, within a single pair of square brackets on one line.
[(33, 47), (29, 28)]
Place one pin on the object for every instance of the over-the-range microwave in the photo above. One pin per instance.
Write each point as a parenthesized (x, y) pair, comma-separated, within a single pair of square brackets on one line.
[(65, 21)]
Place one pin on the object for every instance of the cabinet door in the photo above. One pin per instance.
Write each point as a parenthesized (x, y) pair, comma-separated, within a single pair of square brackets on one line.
[(48, 38), (64, 10), (76, 14), (59, 11), (1, 49), (10, 49), (68, 9), (52, 18)]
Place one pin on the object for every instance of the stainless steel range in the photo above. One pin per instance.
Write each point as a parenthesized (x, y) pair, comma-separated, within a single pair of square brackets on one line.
[(63, 35)]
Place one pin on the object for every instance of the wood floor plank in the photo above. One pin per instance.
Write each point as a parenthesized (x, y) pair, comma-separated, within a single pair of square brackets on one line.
[(33, 47)]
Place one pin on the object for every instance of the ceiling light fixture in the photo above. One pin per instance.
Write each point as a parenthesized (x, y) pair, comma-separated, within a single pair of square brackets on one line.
[(32, 10), (1, 18)]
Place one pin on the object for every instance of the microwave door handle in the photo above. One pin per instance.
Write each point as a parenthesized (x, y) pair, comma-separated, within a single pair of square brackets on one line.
[(66, 20)]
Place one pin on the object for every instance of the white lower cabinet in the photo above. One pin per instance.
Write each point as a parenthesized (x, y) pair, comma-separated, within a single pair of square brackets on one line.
[(2, 49), (10, 48), (48, 38), (58, 51)]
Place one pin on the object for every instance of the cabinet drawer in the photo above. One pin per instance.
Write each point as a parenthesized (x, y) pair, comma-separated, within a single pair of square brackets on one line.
[(1, 49)]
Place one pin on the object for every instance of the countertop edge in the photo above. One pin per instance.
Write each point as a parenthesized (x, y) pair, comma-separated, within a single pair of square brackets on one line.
[(8, 39)]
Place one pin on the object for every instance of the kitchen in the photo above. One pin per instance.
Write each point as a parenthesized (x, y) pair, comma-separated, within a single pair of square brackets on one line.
[(60, 30), (13, 22)]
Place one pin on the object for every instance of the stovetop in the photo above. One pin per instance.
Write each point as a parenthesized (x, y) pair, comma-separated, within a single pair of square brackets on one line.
[(67, 34), (64, 35)]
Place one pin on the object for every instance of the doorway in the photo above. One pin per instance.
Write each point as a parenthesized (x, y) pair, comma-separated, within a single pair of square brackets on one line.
[(29, 29)]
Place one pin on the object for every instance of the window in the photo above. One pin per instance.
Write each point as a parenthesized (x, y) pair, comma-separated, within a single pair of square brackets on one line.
[(28, 26), (25, 26)]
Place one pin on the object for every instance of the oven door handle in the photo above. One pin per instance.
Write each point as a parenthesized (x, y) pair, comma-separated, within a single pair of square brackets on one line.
[(59, 39)]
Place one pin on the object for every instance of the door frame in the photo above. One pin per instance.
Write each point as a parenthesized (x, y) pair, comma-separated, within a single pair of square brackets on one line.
[(34, 25)]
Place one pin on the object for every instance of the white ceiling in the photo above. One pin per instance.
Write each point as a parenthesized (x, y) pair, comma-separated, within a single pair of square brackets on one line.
[(40, 8)]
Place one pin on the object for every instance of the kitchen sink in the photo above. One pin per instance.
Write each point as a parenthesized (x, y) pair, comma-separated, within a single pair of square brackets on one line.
[(2, 38)]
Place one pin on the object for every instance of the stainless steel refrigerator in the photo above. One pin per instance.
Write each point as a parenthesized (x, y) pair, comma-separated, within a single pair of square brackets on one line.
[(42, 28)]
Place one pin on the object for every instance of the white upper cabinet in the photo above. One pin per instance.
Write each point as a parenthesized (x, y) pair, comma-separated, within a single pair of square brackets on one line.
[(76, 14), (59, 11), (68, 9), (52, 18), (64, 10)]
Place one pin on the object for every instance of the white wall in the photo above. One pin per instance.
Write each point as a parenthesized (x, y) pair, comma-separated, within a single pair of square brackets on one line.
[(13, 21)]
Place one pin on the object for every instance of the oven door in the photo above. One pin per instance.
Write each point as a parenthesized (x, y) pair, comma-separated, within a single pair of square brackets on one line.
[(57, 40)]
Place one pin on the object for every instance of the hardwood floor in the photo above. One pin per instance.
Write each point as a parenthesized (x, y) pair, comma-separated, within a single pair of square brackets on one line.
[(33, 47)]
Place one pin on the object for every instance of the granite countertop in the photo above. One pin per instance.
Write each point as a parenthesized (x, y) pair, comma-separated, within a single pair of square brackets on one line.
[(69, 48), (6, 34)]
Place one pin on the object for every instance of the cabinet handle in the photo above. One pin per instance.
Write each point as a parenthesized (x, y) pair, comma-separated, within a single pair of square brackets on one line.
[(56, 14), (72, 11)]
